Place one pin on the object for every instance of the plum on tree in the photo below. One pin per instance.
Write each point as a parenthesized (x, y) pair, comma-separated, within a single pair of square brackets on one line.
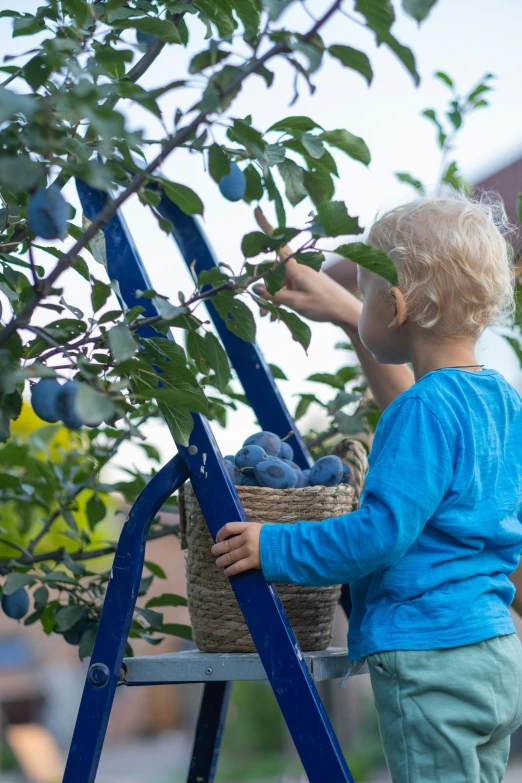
[(16, 605), (47, 213), (66, 405), (44, 395), (268, 441), (233, 184), (145, 40)]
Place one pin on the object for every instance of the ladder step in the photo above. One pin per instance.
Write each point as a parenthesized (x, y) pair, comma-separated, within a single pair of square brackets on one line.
[(196, 666)]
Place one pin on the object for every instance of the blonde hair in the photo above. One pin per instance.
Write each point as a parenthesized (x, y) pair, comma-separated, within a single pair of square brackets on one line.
[(453, 261)]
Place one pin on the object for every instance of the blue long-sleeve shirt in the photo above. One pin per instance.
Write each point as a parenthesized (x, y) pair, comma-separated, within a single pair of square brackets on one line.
[(438, 531)]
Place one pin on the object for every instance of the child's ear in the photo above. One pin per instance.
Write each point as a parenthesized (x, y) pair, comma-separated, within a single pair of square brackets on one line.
[(401, 313)]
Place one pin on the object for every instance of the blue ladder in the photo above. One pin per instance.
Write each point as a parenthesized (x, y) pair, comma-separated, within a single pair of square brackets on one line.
[(291, 674)]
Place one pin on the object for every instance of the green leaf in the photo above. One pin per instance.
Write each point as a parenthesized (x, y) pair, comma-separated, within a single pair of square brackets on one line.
[(122, 344), (379, 14), (175, 629), (444, 77), (328, 379), (238, 318), (274, 153), (277, 372), (515, 344), (40, 597), (256, 242), (292, 124), (371, 258), (95, 510), (20, 169), (348, 425), (313, 145), (68, 616), (92, 406), (161, 28), (196, 349), (336, 220), (167, 599), (185, 198), (293, 176), (154, 619), (419, 9), (155, 569), (100, 292), (404, 54), (217, 360), (190, 399), (275, 279), (207, 59), (299, 330), (303, 405), (179, 421), (354, 59), (218, 163), (254, 185), (352, 145), (87, 643), (311, 258), (15, 580), (409, 180), (248, 13)]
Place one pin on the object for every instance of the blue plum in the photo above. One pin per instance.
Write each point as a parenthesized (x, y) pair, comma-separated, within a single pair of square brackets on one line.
[(248, 457), (233, 184), (234, 472), (47, 213), (44, 395), (66, 405), (268, 441), (306, 473), (16, 605), (327, 471), (302, 480), (249, 481), (276, 474), (287, 451), (347, 473), (231, 458)]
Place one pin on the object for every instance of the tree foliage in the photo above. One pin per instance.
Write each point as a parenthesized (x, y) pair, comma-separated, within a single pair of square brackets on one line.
[(61, 118)]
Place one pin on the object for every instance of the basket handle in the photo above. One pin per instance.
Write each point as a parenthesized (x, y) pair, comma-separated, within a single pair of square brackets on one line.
[(358, 461)]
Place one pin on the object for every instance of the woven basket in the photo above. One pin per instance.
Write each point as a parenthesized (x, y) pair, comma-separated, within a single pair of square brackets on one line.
[(217, 621)]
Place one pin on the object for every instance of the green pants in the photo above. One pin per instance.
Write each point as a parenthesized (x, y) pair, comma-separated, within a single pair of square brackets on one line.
[(446, 716)]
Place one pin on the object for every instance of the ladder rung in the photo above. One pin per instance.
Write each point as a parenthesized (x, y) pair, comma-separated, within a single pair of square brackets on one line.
[(196, 666)]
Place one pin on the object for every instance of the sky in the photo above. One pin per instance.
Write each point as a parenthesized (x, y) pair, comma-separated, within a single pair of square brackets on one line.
[(461, 38)]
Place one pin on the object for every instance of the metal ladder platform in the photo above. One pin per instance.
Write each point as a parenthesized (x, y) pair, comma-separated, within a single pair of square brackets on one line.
[(195, 666), (292, 674)]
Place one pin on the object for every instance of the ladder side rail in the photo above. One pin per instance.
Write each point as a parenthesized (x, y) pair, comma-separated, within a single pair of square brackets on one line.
[(248, 361), (266, 619), (116, 617), (271, 631), (209, 732)]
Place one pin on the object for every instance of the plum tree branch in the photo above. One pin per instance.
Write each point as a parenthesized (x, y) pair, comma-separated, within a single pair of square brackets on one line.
[(57, 555), (170, 144)]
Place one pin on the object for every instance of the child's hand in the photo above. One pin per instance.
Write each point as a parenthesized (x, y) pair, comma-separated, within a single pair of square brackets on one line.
[(240, 553)]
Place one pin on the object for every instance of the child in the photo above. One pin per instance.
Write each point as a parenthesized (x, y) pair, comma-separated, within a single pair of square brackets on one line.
[(429, 552)]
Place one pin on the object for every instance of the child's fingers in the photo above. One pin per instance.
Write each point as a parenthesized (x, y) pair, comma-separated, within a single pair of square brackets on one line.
[(232, 557), (227, 545), (242, 565), (231, 529)]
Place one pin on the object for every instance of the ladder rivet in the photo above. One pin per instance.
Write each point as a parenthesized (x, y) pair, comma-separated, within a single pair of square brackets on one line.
[(209, 670), (99, 675), (192, 450)]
